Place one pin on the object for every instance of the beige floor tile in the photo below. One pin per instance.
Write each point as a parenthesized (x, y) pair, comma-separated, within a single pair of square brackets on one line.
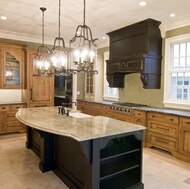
[(19, 168)]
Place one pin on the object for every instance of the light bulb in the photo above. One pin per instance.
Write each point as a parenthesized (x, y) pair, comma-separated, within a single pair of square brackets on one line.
[(91, 56)]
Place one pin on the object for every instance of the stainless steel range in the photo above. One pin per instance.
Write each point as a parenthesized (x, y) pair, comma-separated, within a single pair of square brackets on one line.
[(125, 107)]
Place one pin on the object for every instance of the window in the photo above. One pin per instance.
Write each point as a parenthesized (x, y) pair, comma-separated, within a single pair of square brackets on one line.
[(177, 72), (109, 93), (89, 86)]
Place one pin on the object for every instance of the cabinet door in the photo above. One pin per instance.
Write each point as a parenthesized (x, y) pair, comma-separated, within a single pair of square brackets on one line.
[(13, 68), (185, 137), (1, 121), (41, 89)]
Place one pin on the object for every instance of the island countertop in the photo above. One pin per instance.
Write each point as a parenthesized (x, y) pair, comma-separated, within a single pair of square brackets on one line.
[(84, 128)]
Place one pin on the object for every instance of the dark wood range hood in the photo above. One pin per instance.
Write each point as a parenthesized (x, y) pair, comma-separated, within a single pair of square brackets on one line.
[(135, 49)]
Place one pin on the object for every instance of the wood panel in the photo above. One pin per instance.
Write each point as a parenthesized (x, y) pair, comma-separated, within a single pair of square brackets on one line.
[(40, 90)]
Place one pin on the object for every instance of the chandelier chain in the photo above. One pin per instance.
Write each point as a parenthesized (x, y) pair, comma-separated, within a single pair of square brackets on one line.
[(43, 10), (84, 13), (59, 34)]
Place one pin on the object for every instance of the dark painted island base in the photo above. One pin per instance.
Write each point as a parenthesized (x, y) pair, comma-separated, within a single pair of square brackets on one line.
[(112, 162)]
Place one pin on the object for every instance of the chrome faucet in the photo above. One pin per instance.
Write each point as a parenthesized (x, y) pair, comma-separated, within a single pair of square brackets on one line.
[(61, 110)]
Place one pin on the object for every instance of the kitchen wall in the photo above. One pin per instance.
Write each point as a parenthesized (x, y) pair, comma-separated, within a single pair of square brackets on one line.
[(8, 95)]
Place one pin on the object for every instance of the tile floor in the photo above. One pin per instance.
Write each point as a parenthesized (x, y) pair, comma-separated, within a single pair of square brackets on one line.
[(19, 168)]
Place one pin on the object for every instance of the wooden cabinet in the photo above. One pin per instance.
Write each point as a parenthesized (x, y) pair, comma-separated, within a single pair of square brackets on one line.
[(1, 121), (12, 66), (8, 121), (93, 108), (184, 143), (122, 116), (99, 110), (40, 90), (163, 131), (140, 119)]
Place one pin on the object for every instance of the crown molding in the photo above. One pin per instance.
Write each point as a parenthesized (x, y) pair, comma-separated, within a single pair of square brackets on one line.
[(176, 23), (24, 37)]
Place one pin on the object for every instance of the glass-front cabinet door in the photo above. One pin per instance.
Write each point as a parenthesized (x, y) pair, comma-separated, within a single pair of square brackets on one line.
[(13, 68)]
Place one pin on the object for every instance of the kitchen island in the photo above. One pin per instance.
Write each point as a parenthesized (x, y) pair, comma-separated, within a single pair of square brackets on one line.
[(85, 152)]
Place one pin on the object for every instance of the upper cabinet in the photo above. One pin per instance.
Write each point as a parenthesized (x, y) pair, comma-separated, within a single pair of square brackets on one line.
[(12, 66)]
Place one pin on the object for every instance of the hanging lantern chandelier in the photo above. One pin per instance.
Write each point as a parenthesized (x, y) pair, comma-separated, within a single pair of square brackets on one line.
[(59, 53), (84, 47), (41, 59)]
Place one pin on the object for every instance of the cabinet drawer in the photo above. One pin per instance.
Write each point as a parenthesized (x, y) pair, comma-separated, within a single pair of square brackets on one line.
[(39, 105), (4, 108), (163, 117), (14, 126), (140, 121), (16, 107), (139, 114), (162, 142), (185, 121), (120, 116), (163, 128)]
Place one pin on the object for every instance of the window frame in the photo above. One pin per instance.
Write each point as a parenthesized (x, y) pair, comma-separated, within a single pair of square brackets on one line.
[(106, 95), (168, 102)]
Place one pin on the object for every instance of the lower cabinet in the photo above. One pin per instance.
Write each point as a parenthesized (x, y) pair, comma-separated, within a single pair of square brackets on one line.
[(94, 109), (120, 163), (122, 116), (8, 121), (140, 119), (1, 121), (163, 131), (184, 143)]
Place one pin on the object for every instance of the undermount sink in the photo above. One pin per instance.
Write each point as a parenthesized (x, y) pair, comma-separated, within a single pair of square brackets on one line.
[(78, 115)]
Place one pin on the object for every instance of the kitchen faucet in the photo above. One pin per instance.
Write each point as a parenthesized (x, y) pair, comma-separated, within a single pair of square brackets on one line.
[(61, 110)]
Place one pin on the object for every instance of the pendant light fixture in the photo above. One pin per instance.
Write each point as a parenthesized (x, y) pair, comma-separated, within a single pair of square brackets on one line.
[(84, 47), (42, 58), (59, 53)]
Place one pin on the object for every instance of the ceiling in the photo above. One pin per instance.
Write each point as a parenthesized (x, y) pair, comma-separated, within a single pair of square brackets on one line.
[(102, 16)]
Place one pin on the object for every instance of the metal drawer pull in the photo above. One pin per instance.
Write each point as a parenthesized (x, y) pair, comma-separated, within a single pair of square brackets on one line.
[(41, 105), (188, 122), (3, 108), (171, 119), (30, 94), (166, 142), (166, 129)]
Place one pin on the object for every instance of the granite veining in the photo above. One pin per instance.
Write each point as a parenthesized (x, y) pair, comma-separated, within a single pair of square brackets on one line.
[(85, 128)]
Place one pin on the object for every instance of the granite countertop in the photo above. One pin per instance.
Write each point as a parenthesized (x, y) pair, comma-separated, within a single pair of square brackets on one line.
[(12, 102), (183, 113), (81, 129), (98, 101)]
